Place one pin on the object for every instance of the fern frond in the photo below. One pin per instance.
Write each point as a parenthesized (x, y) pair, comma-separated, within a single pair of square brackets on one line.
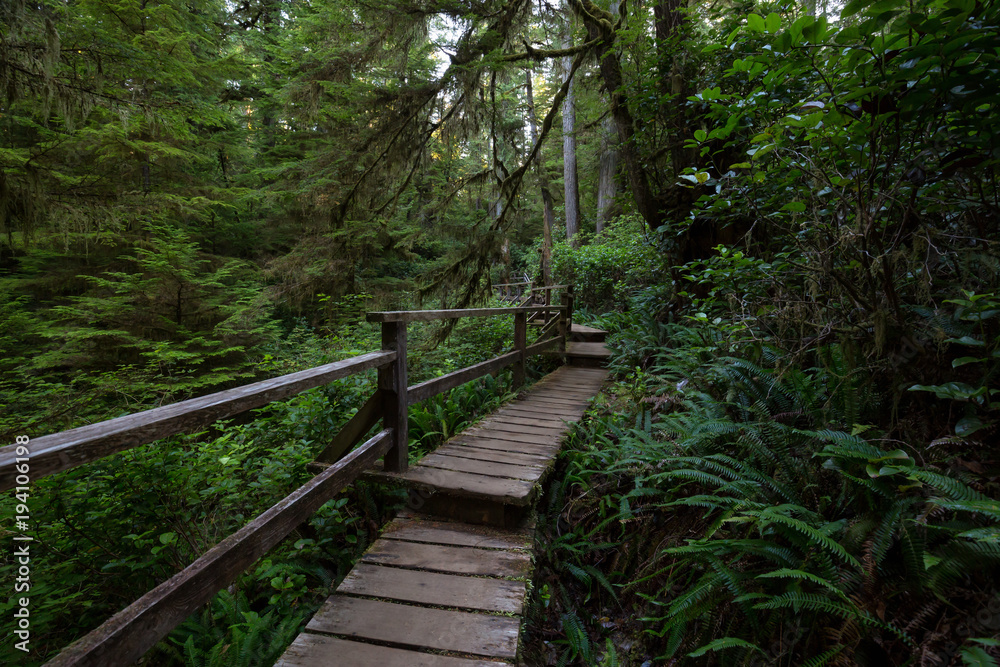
[(724, 643), (816, 537)]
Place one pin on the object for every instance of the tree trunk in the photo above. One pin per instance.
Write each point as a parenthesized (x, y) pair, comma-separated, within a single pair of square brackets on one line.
[(611, 72), (549, 219), (607, 184), (571, 184)]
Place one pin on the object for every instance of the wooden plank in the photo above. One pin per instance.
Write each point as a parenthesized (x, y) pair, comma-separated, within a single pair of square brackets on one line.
[(68, 449), (432, 315), (425, 390), (443, 590), (496, 425), (481, 467), (395, 405), (455, 534), (567, 385), (573, 383), (419, 627), (127, 635), (480, 454), (515, 438), (356, 427), (527, 410), (555, 402), (499, 489), (311, 650), (450, 559), (496, 444), (598, 350), (529, 420)]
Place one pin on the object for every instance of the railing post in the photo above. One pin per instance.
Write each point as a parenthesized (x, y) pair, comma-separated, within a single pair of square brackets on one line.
[(392, 383), (520, 342), (566, 324)]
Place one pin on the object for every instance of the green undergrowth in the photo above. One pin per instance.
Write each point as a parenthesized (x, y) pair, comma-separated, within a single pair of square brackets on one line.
[(725, 505), (107, 532)]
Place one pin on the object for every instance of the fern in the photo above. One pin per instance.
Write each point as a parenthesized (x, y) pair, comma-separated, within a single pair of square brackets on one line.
[(816, 537), (724, 643), (787, 573)]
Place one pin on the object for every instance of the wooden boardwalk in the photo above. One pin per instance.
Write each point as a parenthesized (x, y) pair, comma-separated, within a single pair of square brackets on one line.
[(445, 586)]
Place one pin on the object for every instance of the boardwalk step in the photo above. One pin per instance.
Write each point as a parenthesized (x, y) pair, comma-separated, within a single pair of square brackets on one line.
[(405, 625), (585, 334), (587, 354), (313, 650), (472, 466), (449, 559)]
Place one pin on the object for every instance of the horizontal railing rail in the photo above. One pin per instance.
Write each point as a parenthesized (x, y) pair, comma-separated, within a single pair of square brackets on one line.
[(68, 449), (127, 635), (432, 315)]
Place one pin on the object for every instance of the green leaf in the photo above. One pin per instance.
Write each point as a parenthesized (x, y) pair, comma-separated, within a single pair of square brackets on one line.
[(772, 23), (794, 207), (724, 643), (853, 7), (977, 657), (168, 538), (968, 425), (966, 340), (756, 22), (961, 361), (700, 135)]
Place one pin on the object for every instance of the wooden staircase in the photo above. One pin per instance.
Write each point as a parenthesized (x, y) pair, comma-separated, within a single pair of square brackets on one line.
[(586, 347)]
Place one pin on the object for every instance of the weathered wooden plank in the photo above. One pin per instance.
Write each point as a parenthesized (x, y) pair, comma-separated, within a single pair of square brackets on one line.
[(311, 650), (439, 629), (522, 438), (497, 425), (425, 390), (576, 389), (555, 402), (449, 559), (432, 315), (480, 467), (526, 410), (529, 420), (569, 384), (598, 350), (526, 448), (455, 534), (479, 454), (443, 590), (355, 428), (68, 449), (126, 636), (498, 489)]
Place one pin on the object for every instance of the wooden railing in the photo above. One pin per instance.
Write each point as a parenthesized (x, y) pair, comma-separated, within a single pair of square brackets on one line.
[(126, 636)]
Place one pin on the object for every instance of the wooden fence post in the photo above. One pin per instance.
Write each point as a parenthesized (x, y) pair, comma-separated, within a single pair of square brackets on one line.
[(520, 342), (392, 383), (566, 325)]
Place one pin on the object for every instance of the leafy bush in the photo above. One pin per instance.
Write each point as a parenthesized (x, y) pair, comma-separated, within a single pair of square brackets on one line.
[(605, 270)]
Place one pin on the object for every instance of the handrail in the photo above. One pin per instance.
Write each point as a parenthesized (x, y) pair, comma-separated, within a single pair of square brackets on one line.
[(432, 315), (127, 635), (69, 449)]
